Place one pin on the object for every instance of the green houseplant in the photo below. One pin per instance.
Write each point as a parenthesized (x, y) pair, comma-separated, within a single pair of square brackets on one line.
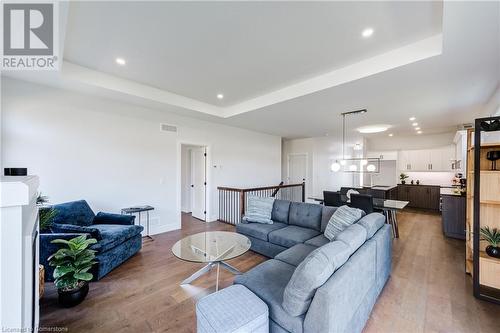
[(72, 263), (492, 236), (46, 213), (403, 177)]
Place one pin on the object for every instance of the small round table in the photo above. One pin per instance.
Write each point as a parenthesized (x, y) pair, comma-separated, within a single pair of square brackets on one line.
[(213, 248)]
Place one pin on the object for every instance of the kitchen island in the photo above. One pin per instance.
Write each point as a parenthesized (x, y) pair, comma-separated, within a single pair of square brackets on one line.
[(453, 213)]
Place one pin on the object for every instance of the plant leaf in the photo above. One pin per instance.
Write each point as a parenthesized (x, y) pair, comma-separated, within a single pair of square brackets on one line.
[(83, 276)]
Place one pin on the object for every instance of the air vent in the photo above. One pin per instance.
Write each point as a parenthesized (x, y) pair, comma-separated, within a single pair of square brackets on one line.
[(168, 128), (465, 126)]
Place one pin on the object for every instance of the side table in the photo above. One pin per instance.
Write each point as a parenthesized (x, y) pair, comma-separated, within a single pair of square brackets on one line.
[(138, 210)]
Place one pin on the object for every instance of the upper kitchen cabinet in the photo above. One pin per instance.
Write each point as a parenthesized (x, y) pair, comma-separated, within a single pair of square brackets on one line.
[(437, 159)]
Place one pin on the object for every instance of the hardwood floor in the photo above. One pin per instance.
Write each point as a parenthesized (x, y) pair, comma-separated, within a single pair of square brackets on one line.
[(427, 292)]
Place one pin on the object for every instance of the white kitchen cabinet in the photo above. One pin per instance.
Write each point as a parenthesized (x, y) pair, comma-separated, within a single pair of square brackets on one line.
[(460, 151), (386, 155), (437, 159)]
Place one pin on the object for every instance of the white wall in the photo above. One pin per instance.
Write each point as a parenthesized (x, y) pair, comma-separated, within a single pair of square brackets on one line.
[(114, 155), (322, 152)]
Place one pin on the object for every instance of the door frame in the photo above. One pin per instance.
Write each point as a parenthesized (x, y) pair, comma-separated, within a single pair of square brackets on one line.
[(208, 175)]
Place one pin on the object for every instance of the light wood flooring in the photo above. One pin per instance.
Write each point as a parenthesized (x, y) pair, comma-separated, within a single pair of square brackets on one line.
[(427, 292)]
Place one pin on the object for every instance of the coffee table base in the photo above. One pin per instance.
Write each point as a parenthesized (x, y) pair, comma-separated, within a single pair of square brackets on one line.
[(208, 268)]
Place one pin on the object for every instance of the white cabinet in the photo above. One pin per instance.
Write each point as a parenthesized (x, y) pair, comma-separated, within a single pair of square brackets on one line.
[(460, 151), (437, 159), (386, 155)]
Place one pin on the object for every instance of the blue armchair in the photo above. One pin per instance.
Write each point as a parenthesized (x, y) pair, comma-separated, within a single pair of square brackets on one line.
[(117, 237)]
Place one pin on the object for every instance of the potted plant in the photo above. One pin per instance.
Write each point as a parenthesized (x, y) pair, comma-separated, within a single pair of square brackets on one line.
[(46, 213), (72, 264), (403, 177), (493, 238)]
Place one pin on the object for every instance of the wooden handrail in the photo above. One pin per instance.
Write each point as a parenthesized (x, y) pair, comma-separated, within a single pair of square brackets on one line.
[(232, 200), (234, 189)]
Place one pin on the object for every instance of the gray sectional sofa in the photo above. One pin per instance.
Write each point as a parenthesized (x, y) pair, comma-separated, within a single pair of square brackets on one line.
[(360, 260)]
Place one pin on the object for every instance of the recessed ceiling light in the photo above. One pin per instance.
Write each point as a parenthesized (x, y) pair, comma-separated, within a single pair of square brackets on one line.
[(414, 124), (417, 128), (419, 132), (373, 129), (412, 118), (120, 61), (390, 134), (220, 96), (367, 32)]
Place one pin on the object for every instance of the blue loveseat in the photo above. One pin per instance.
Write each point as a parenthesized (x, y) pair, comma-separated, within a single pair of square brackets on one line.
[(117, 237)]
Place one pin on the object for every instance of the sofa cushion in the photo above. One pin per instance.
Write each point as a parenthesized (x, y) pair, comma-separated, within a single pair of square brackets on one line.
[(291, 235), (372, 223), (305, 215), (259, 209), (296, 254), (268, 281), (311, 274), (71, 229), (326, 215), (354, 236), (258, 230), (115, 234), (343, 217), (318, 241), (281, 208), (74, 212)]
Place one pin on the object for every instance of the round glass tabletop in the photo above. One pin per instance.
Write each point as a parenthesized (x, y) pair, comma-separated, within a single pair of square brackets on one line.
[(211, 246)]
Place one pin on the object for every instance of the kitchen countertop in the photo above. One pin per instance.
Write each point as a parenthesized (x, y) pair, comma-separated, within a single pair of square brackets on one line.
[(381, 187), (450, 191)]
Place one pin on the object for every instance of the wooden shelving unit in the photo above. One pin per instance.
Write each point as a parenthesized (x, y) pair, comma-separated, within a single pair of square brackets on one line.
[(486, 208)]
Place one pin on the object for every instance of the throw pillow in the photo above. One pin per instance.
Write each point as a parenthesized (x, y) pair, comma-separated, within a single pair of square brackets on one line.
[(259, 209), (311, 274), (343, 217)]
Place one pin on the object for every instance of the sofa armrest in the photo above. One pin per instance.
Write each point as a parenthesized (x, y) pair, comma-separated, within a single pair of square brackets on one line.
[(72, 229), (108, 218)]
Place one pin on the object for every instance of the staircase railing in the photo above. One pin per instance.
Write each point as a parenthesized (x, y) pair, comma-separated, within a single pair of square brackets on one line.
[(233, 201)]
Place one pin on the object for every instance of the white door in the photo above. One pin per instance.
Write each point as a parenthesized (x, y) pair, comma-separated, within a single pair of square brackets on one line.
[(198, 183), (297, 168)]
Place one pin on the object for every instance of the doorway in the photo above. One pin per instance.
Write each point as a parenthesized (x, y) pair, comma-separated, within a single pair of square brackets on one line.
[(194, 180), (297, 169)]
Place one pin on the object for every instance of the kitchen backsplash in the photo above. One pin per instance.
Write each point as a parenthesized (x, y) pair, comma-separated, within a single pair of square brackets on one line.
[(431, 178)]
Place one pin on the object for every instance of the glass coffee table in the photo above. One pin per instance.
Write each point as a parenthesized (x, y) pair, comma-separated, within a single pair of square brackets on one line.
[(213, 248)]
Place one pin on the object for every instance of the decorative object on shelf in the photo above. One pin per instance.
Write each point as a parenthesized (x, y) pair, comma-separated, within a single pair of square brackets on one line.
[(418, 182), (490, 125), (72, 264), (412, 182), (354, 165), (41, 280), (403, 177), (493, 156), (492, 236), (15, 171)]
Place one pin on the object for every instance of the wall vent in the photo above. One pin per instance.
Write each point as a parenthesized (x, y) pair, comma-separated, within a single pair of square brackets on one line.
[(168, 128), (465, 126)]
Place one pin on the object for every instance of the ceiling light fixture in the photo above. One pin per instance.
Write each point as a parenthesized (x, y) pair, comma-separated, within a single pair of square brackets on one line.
[(368, 32), (390, 134), (120, 61), (412, 118), (419, 132), (220, 96), (373, 129), (414, 124), (417, 128)]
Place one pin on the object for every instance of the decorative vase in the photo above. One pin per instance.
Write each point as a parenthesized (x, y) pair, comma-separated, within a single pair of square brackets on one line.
[(418, 182), (403, 182), (412, 182), (41, 281), (73, 297), (493, 251)]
